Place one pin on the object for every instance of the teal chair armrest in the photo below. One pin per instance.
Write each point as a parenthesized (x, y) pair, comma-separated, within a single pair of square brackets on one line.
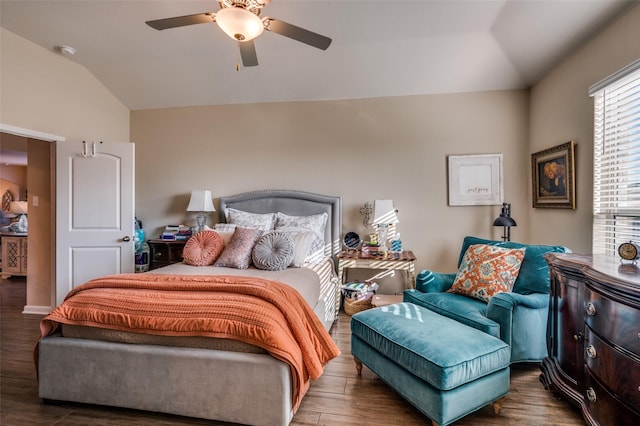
[(510, 300), (434, 282), (523, 323)]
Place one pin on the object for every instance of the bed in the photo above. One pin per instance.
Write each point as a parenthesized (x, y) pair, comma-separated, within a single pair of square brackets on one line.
[(205, 377)]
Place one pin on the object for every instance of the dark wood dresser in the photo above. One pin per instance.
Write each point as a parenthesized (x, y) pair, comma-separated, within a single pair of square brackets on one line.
[(594, 337)]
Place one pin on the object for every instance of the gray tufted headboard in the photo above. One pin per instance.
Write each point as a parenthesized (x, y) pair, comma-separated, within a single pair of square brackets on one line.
[(294, 203)]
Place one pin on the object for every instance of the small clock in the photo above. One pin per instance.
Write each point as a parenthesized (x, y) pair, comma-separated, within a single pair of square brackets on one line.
[(629, 251)]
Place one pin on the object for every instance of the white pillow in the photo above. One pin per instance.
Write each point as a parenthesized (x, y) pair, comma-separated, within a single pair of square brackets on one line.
[(262, 221), (226, 235), (224, 227), (302, 240), (315, 223)]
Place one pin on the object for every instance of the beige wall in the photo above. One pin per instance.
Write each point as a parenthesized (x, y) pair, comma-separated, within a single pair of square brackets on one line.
[(361, 150), (561, 110), (45, 92), (40, 239)]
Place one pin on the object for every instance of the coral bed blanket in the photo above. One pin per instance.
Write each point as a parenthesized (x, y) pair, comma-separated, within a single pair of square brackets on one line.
[(262, 312)]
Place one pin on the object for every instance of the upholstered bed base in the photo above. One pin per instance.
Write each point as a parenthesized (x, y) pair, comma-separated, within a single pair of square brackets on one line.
[(228, 386)]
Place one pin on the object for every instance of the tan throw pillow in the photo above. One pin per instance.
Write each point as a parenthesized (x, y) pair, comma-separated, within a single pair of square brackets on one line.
[(237, 254), (486, 270), (302, 240), (203, 248)]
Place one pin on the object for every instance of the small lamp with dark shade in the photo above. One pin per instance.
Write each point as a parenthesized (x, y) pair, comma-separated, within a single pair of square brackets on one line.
[(506, 221)]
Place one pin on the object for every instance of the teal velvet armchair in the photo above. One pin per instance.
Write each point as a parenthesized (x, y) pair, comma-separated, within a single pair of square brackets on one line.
[(518, 318)]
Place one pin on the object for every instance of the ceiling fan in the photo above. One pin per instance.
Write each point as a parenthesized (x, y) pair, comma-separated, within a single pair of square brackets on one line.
[(240, 20)]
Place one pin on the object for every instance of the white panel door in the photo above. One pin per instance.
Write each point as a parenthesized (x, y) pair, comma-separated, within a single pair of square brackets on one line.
[(94, 212)]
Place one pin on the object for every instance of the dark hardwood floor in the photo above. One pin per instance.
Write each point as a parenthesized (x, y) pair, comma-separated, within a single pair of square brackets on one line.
[(339, 397)]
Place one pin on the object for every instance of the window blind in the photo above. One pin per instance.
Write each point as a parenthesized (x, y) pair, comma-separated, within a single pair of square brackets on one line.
[(616, 189)]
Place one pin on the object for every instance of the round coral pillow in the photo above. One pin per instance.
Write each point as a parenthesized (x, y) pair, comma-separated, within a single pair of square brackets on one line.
[(203, 248)]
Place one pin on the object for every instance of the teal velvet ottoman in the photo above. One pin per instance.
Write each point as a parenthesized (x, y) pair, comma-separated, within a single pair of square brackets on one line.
[(444, 368)]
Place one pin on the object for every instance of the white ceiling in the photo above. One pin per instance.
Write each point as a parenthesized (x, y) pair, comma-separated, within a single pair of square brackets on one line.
[(380, 48)]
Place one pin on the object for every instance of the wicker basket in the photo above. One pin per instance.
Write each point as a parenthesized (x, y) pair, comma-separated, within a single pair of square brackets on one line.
[(353, 306)]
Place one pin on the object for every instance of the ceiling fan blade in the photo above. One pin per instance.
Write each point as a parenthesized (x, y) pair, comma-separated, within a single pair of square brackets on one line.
[(181, 21), (297, 33), (248, 53)]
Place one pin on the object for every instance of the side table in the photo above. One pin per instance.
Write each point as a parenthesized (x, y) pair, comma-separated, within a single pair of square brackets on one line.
[(401, 261), (165, 252)]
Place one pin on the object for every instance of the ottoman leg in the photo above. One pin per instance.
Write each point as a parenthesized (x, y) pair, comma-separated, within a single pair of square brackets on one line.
[(497, 405), (358, 366)]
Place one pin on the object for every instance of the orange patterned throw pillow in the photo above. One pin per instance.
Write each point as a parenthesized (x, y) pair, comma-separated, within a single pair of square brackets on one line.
[(486, 270), (203, 248)]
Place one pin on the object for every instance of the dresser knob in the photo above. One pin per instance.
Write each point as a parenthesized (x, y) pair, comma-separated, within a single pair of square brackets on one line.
[(591, 351), (591, 309), (158, 254), (578, 337), (591, 395)]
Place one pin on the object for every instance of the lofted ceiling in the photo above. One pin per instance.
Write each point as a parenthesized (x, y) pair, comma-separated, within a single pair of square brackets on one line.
[(380, 48)]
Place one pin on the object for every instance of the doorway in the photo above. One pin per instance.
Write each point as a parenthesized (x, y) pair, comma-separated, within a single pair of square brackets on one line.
[(40, 196)]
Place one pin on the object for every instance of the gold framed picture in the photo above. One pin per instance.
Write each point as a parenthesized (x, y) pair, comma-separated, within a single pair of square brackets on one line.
[(553, 176)]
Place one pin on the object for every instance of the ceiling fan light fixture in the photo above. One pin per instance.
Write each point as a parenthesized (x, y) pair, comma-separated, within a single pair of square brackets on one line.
[(239, 24)]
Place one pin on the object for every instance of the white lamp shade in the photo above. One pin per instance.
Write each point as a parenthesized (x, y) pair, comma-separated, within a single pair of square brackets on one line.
[(384, 213), (200, 201), (18, 207), (239, 24)]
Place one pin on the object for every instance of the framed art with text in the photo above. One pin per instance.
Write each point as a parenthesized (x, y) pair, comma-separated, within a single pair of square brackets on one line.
[(553, 177), (475, 180)]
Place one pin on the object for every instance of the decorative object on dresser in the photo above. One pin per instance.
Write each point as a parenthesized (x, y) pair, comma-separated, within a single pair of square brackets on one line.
[(201, 202), (594, 337), (629, 252), (19, 208), (384, 217), (165, 252), (506, 221)]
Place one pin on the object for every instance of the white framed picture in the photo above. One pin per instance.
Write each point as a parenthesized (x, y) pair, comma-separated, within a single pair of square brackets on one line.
[(475, 180)]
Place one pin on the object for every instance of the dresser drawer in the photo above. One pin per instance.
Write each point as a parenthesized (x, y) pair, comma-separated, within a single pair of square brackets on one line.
[(605, 407), (615, 370), (614, 321)]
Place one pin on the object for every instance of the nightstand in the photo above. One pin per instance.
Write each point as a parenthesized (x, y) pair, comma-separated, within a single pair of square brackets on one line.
[(165, 252), (401, 261)]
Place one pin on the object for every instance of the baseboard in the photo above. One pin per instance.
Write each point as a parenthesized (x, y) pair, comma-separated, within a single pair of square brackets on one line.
[(37, 310)]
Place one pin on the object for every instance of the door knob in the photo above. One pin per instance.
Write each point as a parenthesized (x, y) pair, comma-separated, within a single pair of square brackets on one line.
[(126, 239)]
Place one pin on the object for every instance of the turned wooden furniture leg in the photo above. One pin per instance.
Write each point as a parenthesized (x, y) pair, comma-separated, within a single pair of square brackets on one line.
[(358, 366), (497, 405)]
